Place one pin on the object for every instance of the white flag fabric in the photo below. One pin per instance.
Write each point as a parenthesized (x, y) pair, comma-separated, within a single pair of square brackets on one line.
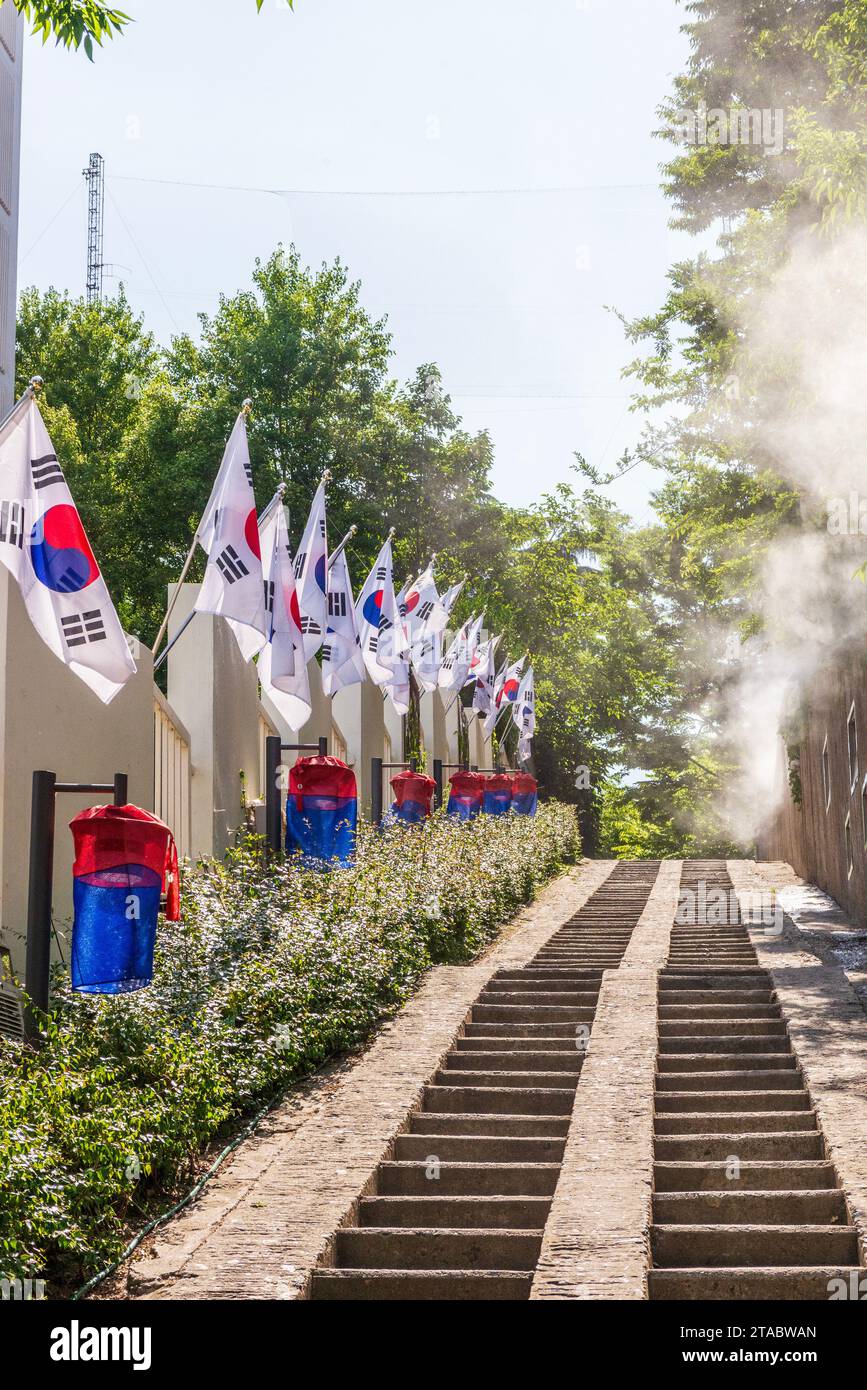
[(342, 662), (456, 662), (425, 611), (233, 586), (282, 667), (44, 546), (427, 657), (377, 616), (524, 708), (402, 638), (427, 645), (505, 690), (473, 643), (482, 669), (311, 576)]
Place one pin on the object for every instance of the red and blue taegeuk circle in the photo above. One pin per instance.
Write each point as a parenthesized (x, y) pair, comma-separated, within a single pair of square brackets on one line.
[(372, 609), (60, 551), (510, 689)]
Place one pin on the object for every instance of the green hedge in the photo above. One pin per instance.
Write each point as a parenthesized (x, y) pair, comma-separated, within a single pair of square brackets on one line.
[(270, 973)]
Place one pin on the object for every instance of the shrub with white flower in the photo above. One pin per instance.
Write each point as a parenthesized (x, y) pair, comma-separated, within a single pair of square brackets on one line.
[(273, 970)]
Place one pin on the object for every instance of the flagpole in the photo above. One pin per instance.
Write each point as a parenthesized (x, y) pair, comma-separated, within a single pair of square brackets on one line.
[(335, 554), (34, 387), (246, 407)]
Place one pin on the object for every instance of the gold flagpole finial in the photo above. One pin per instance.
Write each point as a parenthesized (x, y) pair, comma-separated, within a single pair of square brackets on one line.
[(353, 530), (246, 405), (392, 533), (36, 384), (326, 477)]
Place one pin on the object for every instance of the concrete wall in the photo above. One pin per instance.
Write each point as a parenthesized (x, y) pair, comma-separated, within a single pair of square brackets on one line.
[(358, 710), (812, 836), (50, 719), (11, 45), (216, 694)]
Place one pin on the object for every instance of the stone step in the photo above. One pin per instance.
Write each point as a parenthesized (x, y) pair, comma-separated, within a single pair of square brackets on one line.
[(722, 1028), (526, 1078), (686, 1102), (720, 1245), (395, 1179), (799, 1283), (563, 1046), (420, 1285), (769, 1175), (672, 982), (750, 1208), (676, 1063), (581, 999), (787, 1145), (539, 1126), (684, 997), (478, 1148), (491, 1100), (702, 1012), (529, 1031), (517, 1061), (742, 1079), (523, 1013), (748, 1044), (359, 1247), (745, 1122), (490, 1213)]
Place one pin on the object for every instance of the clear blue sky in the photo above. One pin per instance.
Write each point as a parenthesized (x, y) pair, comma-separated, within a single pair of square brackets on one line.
[(389, 122)]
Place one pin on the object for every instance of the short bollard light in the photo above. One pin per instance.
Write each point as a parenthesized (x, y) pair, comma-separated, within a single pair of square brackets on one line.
[(322, 812), (498, 794), (125, 858), (412, 797), (524, 794), (466, 795)]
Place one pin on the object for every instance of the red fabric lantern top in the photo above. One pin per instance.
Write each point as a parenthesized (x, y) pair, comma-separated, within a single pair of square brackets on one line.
[(499, 782), (522, 782), (320, 776), (467, 784), (108, 836), (412, 786)]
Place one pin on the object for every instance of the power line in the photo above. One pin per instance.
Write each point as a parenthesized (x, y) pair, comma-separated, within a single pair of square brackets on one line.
[(389, 192), (47, 228), (144, 262)]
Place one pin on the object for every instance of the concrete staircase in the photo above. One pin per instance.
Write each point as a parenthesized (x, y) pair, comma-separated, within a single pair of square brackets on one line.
[(458, 1208), (745, 1204)]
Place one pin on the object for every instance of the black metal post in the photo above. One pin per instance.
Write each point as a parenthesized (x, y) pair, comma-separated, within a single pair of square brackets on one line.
[(438, 782), (37, 972), (376, 791), (272, 792), (121, 789), (413, 764), (323, 748)]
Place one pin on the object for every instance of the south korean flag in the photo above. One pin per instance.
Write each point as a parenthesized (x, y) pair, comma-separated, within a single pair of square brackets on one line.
[(524, 708), (233, 586), (44, 547), (342, 662), (311, 575), (377, 617), (282, 668)]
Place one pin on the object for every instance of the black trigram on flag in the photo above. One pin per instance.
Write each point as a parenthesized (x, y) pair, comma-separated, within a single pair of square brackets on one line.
[(300, 562), (269, 595), (12, 524), (248, 469), (327, 651), (46, 471), (381, 573), (81, 628), (337, 604), (424, 612), (322, 527), (310, 625), (230, 565)]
